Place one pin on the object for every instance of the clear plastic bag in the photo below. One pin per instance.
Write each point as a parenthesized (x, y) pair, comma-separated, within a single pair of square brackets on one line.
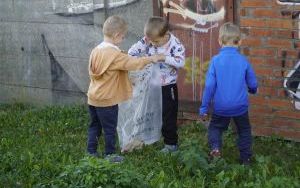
[(140, 118)]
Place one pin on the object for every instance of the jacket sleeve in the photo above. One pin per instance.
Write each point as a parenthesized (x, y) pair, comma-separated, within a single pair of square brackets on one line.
[(176, 59), (251, 79), (209, 90), (123, 61), (138, 48)]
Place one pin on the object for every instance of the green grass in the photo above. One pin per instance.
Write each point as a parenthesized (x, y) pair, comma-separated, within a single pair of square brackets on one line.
[(45, 147)]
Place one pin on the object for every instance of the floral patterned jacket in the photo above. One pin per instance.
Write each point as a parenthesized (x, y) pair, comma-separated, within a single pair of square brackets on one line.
[(175, 55)]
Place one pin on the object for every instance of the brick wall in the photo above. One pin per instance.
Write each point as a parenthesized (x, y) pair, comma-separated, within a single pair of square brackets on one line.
[(271, 40)]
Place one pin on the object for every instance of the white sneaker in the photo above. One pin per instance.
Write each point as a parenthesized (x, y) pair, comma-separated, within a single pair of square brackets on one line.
[(169, 148), (114, 158)]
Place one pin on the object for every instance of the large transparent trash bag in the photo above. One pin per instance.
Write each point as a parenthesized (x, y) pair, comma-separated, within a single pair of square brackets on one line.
[(140, 118)]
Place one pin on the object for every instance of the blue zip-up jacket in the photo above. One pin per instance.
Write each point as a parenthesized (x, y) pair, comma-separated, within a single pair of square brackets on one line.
[(229, 79)]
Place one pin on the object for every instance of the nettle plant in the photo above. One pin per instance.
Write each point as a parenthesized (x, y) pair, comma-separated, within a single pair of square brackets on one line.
[(93, 172)]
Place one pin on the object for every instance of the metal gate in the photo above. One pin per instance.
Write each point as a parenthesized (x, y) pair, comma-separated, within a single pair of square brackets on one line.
[(196, 23)]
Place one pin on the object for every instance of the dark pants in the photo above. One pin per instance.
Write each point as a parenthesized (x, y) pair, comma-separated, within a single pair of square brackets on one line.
[(219, 124), (169, 116), (105, 118)]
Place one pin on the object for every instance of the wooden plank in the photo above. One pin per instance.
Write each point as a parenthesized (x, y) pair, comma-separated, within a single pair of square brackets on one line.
[(230, 13), (157, 8)]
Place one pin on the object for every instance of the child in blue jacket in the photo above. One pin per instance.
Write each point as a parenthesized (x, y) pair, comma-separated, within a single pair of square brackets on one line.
[(229, 79)]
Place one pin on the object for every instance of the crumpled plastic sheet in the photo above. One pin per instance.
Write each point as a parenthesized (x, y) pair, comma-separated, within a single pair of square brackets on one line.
[(140, 118)]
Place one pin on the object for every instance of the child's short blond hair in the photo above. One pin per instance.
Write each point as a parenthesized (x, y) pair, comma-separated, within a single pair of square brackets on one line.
[(114, 25), (229, 34), (156, 27)]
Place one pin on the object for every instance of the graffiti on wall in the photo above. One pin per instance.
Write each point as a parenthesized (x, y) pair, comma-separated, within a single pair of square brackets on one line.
[(288, 2), (291, 75), (195, 14), (196, 24), (88, 7)]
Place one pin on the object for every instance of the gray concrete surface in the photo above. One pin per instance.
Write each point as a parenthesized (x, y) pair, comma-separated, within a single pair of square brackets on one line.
[(45, 45)]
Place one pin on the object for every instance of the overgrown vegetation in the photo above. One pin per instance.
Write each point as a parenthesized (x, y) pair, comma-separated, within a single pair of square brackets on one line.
[(45, 147)]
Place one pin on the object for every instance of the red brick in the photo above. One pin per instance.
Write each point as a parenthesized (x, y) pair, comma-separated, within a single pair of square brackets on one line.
[(290, 63), (277, 74), (269, 131), (257, 60), (289, 134), (260, 109), (288, 114), (280, 103), (260, 32), (286, 123), (280, 24), (271, 82), (183, 122), (263, 71), (260, 119), (252, 22), (294, 54), (258, 100), (281, 93), (280, 43), (244, 30), (190, 116), (266, 13), (267, 91), (245, 51), (274, 62), (251, 42), (262, 52), (263, 131), (284, 34)]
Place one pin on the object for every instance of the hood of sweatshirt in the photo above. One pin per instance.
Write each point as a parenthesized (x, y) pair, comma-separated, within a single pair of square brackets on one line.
[(104, 50)]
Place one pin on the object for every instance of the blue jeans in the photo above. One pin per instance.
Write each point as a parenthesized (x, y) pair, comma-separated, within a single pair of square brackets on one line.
[(219, 124), (105, 118)]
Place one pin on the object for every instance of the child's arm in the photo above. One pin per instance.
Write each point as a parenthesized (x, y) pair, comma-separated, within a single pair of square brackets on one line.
[(138, 48), (251, 80), (209, 90), (125, 62), (177, 57)]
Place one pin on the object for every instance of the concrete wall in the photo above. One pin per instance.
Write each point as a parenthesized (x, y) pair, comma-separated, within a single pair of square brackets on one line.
[(45, 46)]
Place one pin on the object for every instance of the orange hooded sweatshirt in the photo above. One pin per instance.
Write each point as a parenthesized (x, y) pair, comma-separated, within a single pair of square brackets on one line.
[(108, 70)]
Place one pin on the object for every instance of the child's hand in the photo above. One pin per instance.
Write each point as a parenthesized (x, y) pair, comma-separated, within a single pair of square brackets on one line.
[(157, 58), (252, 90), (204, 117)]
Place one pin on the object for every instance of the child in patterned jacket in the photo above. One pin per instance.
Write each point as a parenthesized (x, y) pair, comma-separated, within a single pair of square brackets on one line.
[(158, 40)]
